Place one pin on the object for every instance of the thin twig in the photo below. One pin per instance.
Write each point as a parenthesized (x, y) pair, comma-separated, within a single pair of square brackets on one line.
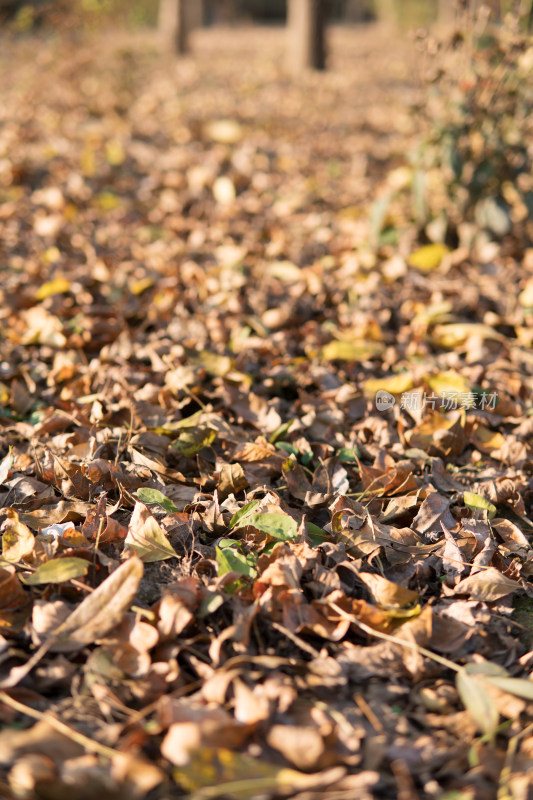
[(396, 640), (86, 742)]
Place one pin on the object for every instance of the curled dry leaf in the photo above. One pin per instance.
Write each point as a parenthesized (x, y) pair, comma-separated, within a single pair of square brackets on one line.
[(146, 538)]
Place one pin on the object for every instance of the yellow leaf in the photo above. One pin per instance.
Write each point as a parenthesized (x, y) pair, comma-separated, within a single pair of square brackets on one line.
[(350, 351), (449, 383), (88, 161), (50, 288), (107, 201), (114, 153), (396, 384), (211, 772), (428, 257), (138, 287), (486, 440), (51, 255), (457, 333), (478, 503), (435, 312), (213, 363), (439, 433)]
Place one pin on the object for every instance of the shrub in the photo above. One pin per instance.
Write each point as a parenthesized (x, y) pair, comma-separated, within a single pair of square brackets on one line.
[(474, 162)]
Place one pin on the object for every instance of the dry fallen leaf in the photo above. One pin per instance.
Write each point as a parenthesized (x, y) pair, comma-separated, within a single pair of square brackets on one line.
[(146, 538)]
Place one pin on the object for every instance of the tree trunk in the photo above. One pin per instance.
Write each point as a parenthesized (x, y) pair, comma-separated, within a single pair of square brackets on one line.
[(173, 27), (306, 22), (356, 10)]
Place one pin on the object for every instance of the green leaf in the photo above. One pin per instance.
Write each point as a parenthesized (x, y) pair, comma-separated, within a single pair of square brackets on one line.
[(57, 570), (348, 455), (147, 495), (478, 702), (278, 526), (209, 604), (316, 535), (289, 448), (306, 458), (230, 559), (478, 503), (280, 431), (192, 441), (243, 512)]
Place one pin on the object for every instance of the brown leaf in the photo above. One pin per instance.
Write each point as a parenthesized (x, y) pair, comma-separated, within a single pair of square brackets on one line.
[(386, 593), (488, 585), (197, 726), (302, 746), (146, 538), (232, 480)]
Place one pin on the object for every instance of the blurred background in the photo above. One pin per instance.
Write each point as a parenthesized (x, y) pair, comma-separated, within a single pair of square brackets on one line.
[(26, 13)]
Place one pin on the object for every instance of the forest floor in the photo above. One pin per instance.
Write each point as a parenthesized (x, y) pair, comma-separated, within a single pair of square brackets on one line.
[(265, 464)]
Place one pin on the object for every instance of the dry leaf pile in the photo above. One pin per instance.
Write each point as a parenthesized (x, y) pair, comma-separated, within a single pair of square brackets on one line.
[(225, 572)]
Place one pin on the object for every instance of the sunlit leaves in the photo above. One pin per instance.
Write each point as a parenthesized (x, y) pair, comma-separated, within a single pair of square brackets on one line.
[(478, 702), (18, 541), (100, 611), (51, 288), (450, 384), (146, 537), (243, 513), (224, 190), (277, 526), (58, 570), (191, 441), (478, 503), (455, 334), (5, 466), (229, 558), (428, 257), (224, 131), (149, 496), (488, 585), (396, 384), (338, 350)]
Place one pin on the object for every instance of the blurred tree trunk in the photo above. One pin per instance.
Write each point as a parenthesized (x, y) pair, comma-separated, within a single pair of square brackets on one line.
[(355, 10), (177, 18), (306, 21)]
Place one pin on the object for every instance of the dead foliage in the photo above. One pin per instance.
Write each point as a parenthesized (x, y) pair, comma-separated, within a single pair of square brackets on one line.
[(227, 572)]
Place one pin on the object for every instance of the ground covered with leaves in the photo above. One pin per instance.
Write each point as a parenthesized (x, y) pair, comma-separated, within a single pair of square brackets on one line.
[(265, 438)]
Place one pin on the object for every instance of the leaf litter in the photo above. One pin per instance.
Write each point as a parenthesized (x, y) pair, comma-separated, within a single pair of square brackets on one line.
[(226, 571)]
